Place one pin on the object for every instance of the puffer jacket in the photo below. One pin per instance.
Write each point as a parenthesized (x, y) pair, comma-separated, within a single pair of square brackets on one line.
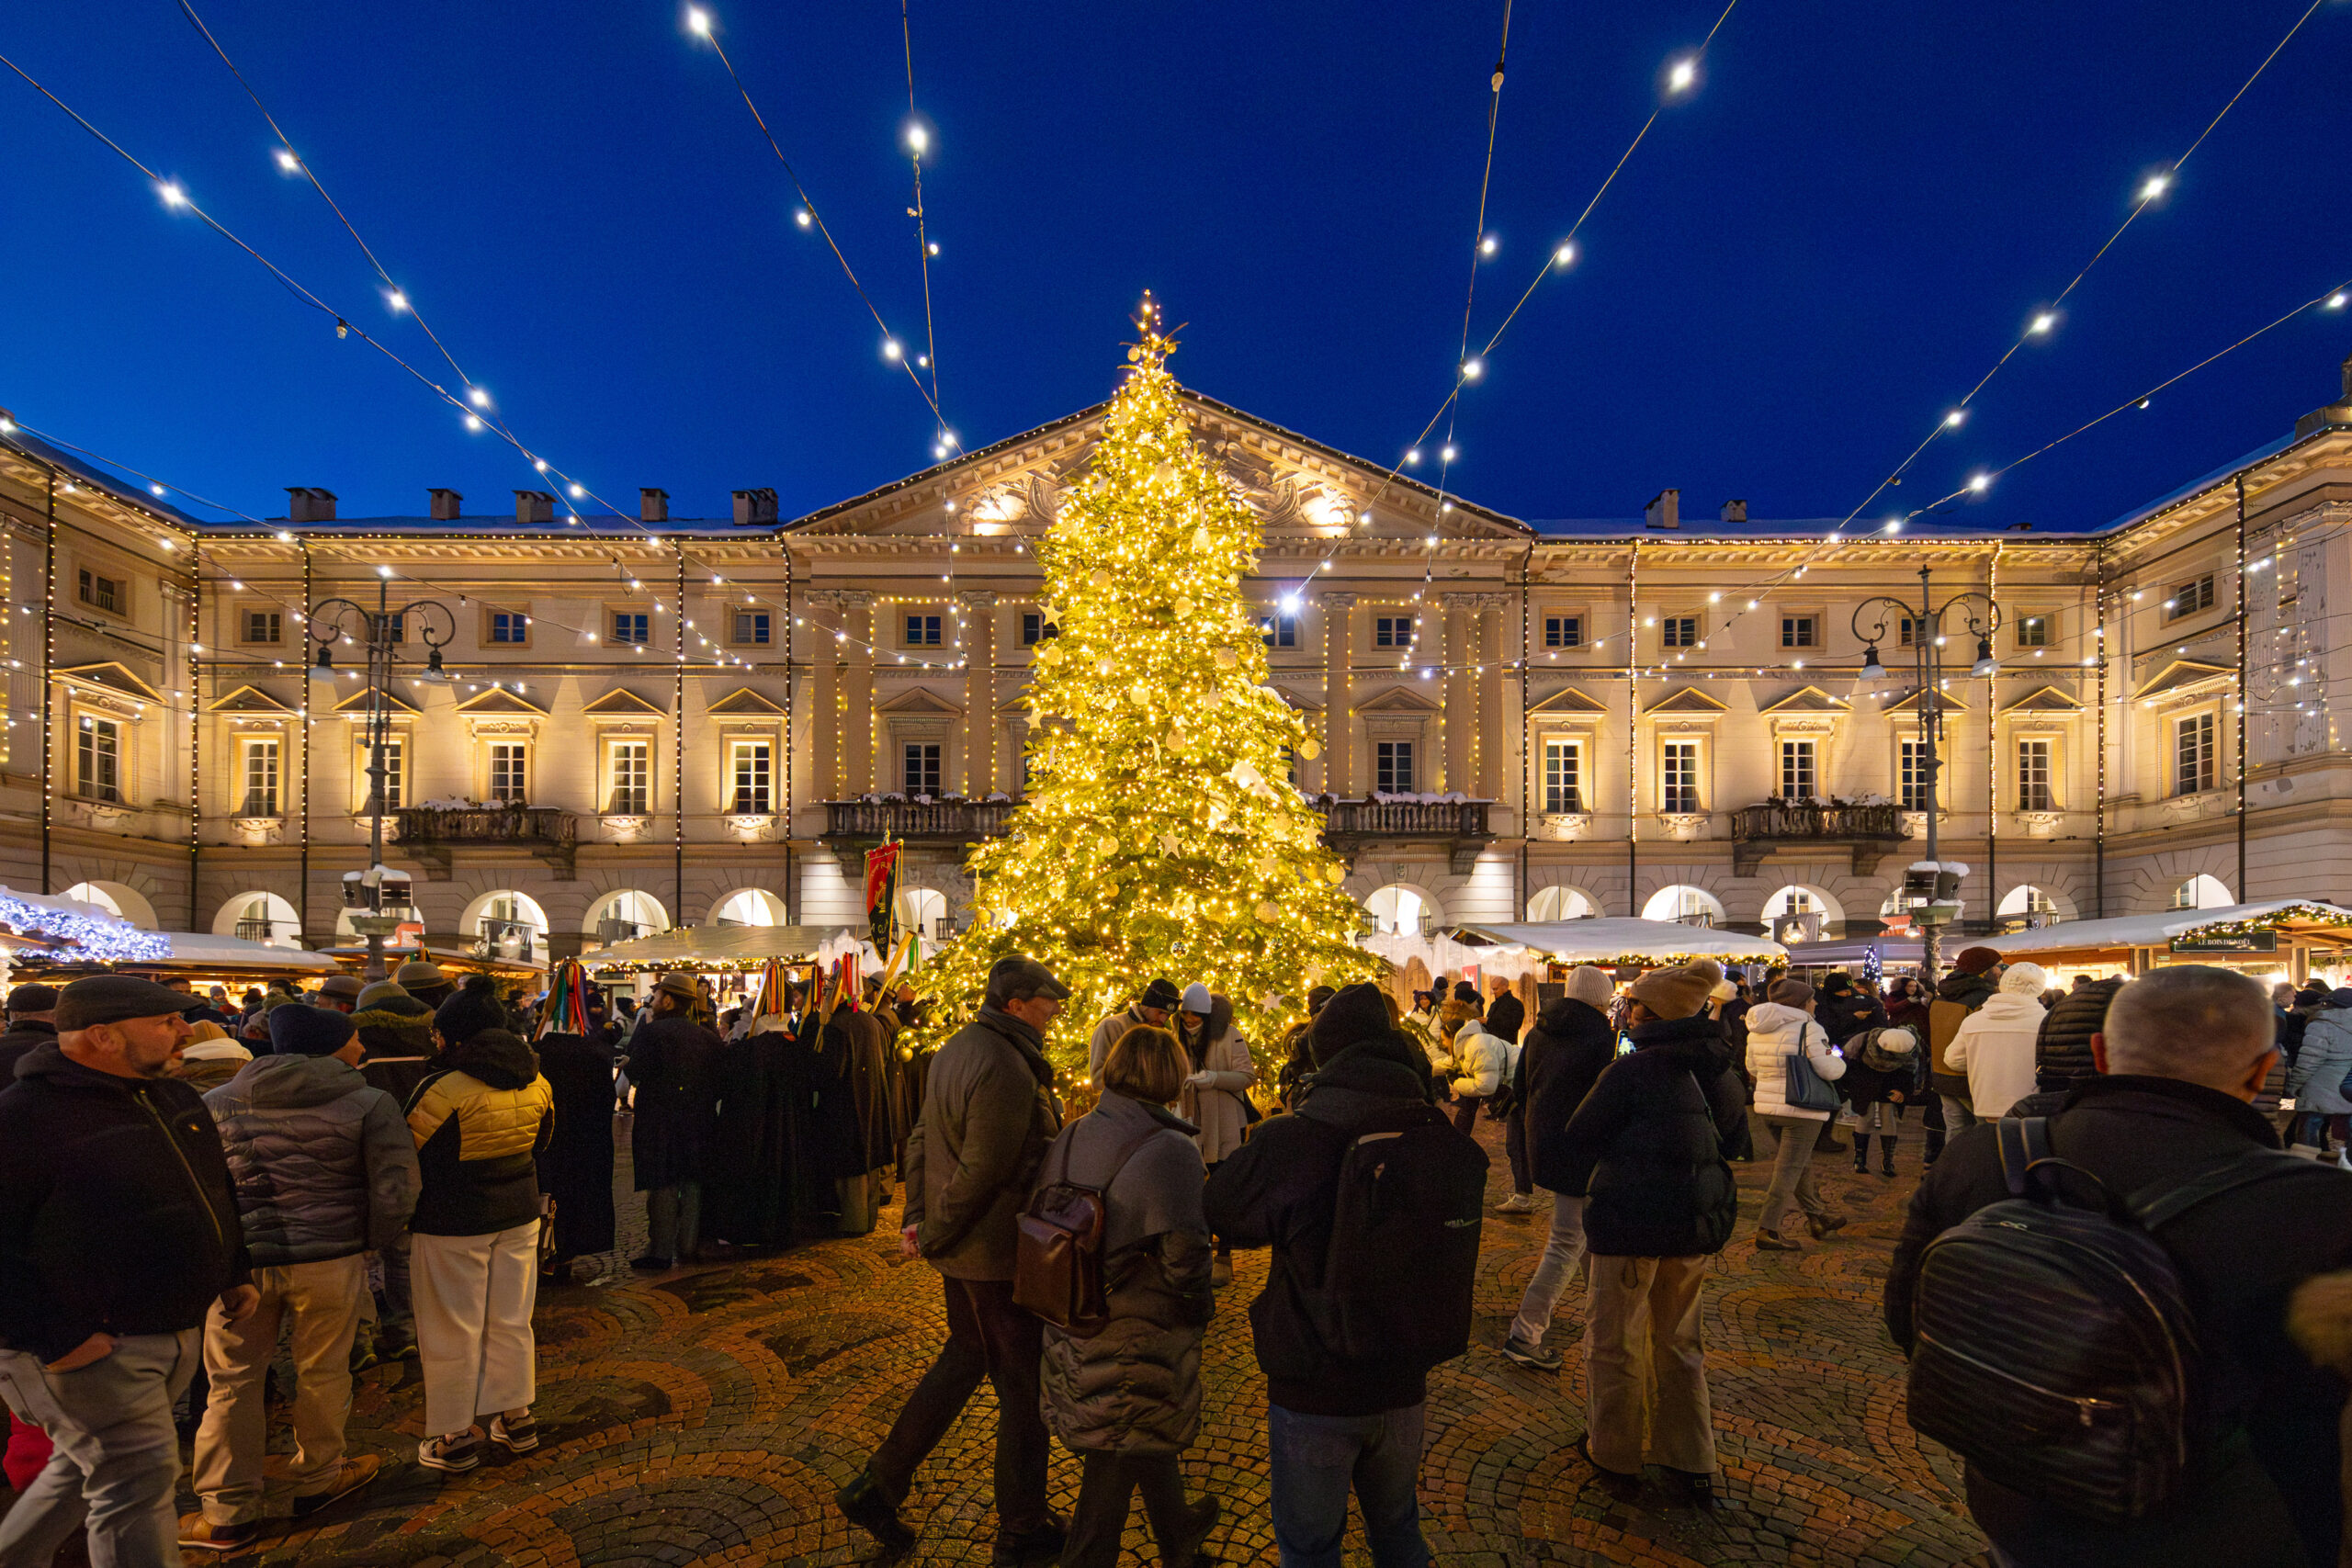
[(1775, 1032), (1570, 1048), (2317, 1082), (398, 1034), (1135, 1388), (1646, 1147), (2062, 1051), (480, 1124), (1995, 1048), (988, 1113), (1481, 1060), (323, 1166), (1957, 995)]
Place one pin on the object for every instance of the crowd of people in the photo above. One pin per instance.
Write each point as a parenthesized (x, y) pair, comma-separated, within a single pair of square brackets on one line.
[(388, 1170)]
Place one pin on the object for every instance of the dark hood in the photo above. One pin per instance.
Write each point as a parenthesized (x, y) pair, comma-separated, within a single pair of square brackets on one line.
[(1698, 1041), (1968, 990), (1381, 1066), (1561, 1015), (496, 1056)]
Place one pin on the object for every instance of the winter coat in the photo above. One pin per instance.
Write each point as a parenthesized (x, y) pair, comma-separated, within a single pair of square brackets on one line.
[(2062, 1051), (1135, 1388), (857, 1132), (1843, 1017), (1505, 1016), (1566, 1053), (480, 1124), (989, 1112), (1482, 1062), (1106, 1034), (2317, 1082), (1453, 1014), (672, 1060), (398, 1034), (1866, 1085), (1280, 1189), (322, 1163), (116, 1211), (24, 1035), (1957, 995), (1775, 1032), (2241, 1255), (206, 1065), (1216, 1107), (1995, 1048), (1646, 1147), (576, 1166)]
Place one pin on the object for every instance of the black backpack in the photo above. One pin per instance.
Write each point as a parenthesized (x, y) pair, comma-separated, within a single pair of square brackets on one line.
[(1409, 1206), (2055, 1349)]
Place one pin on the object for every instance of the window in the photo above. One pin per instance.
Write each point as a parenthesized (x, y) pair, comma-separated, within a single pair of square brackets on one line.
[(1678, 631), (1797, 777), (1799, 631), (1034, 628), (1281, 631), (2033, 775), (1678, 777), (749, 765), (632, 768), (261, 777), (395, 772), (392, 626), (632, 626), (510, 626), (2034, 631), (264, 626), (1392, 767), (510, 772), (923, 767), (1912, 786), (922, 631), (1907, 631), (1563, 631), (2192, 753), (1392, 631), (97, 774), (2189, 598), (751, 629), (105, 592), (1563, 777)]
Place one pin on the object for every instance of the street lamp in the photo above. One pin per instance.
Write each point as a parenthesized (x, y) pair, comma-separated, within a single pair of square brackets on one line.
[(1926, 624), (379, 631)]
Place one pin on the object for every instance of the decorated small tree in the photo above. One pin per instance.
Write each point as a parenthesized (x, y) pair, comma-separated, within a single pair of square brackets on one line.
[(1158, 834)]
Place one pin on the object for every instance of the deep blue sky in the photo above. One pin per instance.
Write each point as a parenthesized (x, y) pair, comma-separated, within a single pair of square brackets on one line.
[(1834, 236)]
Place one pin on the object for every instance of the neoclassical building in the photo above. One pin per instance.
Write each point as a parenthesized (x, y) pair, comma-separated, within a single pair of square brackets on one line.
[(682, 721)]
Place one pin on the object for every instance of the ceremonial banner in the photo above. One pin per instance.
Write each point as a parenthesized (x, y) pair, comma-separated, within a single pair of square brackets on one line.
[(882, 892)]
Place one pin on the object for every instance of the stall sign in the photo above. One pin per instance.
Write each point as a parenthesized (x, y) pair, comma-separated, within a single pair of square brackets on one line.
[(2227, 942)]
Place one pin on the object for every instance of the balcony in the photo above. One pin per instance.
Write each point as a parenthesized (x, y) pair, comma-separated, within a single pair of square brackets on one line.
[(1869, 833), (1460, 825), (854, 826), (431, 833)]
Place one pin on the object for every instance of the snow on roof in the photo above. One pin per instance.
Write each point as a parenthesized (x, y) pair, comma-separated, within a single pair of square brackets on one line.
[(1607, 941), (2156, 930)]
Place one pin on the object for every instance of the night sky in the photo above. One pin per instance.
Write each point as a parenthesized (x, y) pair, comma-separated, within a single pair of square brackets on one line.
[(1842, 225)]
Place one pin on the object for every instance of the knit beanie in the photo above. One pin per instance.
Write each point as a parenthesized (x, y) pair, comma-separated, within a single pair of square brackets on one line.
[(474, 1008), (1591, 986), (2025, 979), (1975, 960), (302, 1031), (1678, 992), (1789, 992), (382, 990), (1353, 1015)]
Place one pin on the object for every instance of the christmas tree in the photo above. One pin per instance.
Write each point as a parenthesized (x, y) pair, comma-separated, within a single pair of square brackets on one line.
[(1158, 834)]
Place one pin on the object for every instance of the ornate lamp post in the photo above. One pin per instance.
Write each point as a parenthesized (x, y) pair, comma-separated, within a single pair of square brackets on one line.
[(380, 631), (1982, 618)]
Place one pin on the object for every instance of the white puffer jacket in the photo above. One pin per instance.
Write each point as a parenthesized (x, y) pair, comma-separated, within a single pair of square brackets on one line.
[(1483, 1060), (1774, 1032)]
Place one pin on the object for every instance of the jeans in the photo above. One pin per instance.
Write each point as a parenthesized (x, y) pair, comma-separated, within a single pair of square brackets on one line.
[(673, 1219), (1791, 1171), (116, 1461), (1105, 1484), (1959, 1113), (321, 1302), (1646, 1364), (1316, 1460), (1523, 1180), (1563, 1250), (987, 1336)]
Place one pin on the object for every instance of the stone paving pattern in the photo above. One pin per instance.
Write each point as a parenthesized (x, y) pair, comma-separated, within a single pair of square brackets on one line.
[(707, 1416)]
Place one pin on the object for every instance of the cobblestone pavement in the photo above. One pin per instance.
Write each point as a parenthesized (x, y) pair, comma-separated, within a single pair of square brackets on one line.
[(707, 1416)]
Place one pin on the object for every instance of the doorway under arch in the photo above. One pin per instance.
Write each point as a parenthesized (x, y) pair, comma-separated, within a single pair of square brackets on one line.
[(1684, 904), (2202, 892), (1561, 903), (1400, 909), (749, 906), (622, 914), (922, 909), (120, 900), (259, 917)]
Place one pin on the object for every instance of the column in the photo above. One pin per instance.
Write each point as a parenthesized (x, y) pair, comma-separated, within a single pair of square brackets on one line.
[(857, 721), (824, 697), (979, 693), (1460, 719), (1339, 695), (1494, 732)]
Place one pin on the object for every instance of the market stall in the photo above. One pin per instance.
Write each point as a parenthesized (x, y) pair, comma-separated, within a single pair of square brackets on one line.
[(2288, 938), (59, 939), (733, 957), (1527, 955), (513, 975)]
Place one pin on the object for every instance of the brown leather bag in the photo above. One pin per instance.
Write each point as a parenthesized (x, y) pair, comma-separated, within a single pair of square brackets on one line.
[(1057, 1259)]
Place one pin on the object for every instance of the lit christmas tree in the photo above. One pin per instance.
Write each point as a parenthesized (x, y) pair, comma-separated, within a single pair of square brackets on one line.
[(1158, 834)]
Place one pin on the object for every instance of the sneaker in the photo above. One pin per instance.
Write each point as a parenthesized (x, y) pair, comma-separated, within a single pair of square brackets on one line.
[(864, 1504), (201, 1533), (355, 1475), (1773, 1241), (1543, 1358), (396, 1343), (1517, 1203), (519, 1436), (652, 1264), (1031, 1548), (451, 1455), (1824, 1225)]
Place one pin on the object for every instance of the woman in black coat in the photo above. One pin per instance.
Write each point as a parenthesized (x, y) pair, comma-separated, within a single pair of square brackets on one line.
[(1571, 1043), (576, 1168)]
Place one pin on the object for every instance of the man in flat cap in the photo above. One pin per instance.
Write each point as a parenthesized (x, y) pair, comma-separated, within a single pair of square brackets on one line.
[(988, 1115), (119, 1230), (32, 1021)]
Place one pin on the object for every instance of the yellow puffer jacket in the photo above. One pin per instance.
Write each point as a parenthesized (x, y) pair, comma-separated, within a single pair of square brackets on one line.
[(478, 1123)]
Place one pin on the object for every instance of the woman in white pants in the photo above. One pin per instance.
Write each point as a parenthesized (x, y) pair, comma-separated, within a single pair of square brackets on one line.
[(1783, 1027), (478, 1124)]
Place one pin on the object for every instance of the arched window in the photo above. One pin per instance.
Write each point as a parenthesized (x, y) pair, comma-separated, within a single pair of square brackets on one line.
[(505, 924), (118, 900), (91, 892), (1402, 910), (1684, 904), (750, 906), (626, 914), (259, 917), (1561, 904), (922, 909), (2025, 898), (2202, 892)]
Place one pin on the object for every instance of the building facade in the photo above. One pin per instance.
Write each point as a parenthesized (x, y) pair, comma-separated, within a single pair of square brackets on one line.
[(597, 728)]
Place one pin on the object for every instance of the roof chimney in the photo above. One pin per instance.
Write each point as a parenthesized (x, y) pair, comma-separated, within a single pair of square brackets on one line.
[(2337, 413), (1664, 510), (447, 504), (306, 504), (755, 506), (534, 506), (1734, 511), (653, 506)]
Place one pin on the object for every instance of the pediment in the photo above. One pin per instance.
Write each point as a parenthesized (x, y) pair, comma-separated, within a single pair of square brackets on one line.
[(497, 701), (1807, 699), (622, 703), (1298, 701), (250, 699), (745, 702), (2180, 675), (362, 700), (1400, 699), (917, 701), (1946, 701), (1688, 701), (115, 677), (1569, 699), (2045, 699)]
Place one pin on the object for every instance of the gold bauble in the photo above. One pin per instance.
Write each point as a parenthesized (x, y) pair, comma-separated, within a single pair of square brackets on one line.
[(1201, 539), (1269, 912), (1309, 750), (1101, 580), (1226, 658), (1335, 875)]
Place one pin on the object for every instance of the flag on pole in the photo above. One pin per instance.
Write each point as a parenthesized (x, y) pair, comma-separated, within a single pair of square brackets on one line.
[(882, 892)]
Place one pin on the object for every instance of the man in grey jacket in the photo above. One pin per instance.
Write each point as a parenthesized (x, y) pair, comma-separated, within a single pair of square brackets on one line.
[(1158, 1000), (326, 1172), (988, 1113)]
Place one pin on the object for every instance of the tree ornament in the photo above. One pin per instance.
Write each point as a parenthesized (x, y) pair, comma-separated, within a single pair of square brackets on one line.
[(1335, 875), (1226, 658), (1269, 912), (1201, 539), (1310, 749), (1101, 580), (1106, 665)]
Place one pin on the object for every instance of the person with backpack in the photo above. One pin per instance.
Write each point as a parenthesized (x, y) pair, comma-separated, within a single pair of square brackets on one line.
[(1570, 1046), (1126, 1397), (1646, 1150), (1994, 1044), (1372, 1204), (2056, 1382), (1780, 1028), (1884, 1071)]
